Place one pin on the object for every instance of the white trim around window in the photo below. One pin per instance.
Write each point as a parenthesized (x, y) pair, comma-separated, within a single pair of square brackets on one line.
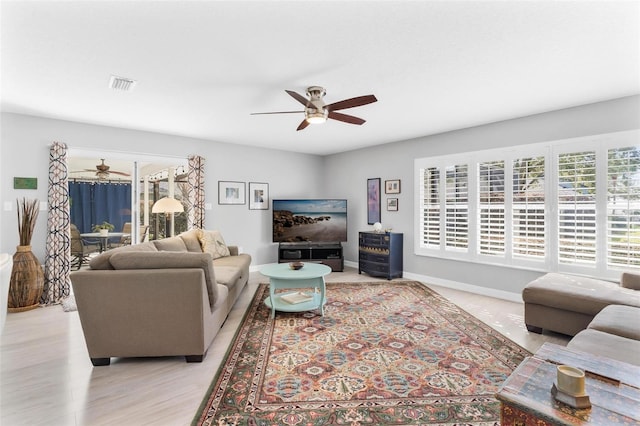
[(554, 206)]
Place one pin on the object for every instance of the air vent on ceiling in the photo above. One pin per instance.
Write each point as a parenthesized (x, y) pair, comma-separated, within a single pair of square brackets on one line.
[(121, 83)]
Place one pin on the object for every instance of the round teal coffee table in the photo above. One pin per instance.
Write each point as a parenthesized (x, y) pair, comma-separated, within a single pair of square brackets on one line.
[(281, 276)]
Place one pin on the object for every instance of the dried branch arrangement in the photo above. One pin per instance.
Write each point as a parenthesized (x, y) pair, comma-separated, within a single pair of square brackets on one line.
[(27, 220)]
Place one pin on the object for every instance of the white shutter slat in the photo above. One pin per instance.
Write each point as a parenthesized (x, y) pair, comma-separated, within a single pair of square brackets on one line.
[(528, 209), (576, 208), (623, 207)]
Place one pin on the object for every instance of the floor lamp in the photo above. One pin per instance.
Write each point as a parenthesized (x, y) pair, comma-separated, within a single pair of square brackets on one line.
[(167, 205)]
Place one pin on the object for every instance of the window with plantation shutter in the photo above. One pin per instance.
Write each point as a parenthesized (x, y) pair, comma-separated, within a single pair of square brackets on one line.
[(570, 206), (623, 207), (457, 207), (528, 208), (491, 207), (430, 196), (577, 208)]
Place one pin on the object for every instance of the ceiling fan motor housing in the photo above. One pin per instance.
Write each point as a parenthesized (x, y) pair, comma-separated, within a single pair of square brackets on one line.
[(315, 112), (316, 92)]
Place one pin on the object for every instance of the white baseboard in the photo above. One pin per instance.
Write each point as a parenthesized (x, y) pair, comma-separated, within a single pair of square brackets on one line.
[(351, 264), (471, 288)]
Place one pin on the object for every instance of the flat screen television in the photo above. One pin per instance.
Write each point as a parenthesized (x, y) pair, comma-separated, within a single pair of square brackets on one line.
[(314, 221)]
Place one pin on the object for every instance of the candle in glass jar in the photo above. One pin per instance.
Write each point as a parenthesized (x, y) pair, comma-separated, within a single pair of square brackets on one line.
[(570, 380)]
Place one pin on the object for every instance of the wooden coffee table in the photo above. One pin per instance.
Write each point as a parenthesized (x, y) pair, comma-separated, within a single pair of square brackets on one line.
[(281, 276), (613, 388)]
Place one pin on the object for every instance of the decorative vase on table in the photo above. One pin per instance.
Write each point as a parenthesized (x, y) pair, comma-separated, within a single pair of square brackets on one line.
[(27, 277)]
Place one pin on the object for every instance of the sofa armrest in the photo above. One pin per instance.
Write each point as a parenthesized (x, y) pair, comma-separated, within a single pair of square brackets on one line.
[(630, 280), (130, 313)]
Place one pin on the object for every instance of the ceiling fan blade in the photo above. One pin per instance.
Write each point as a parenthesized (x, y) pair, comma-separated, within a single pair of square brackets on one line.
[(352, 102), (302, 125), (298, 97), (119, 173), (346, 118), (275, 112)]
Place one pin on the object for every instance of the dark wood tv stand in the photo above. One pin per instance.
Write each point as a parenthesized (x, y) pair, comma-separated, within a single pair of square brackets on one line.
[(329, 254)]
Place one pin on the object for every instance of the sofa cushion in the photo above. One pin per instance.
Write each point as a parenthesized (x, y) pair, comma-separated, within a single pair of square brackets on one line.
[(620, 320), (102, 260), (607, 345), (577, 294), (170, 244), (227, 275), (240, 261), (163, 260), (213, 243), (630, 280), (191, 240)]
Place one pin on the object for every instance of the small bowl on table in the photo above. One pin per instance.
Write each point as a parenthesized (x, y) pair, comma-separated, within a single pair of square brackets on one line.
[(296, 265)]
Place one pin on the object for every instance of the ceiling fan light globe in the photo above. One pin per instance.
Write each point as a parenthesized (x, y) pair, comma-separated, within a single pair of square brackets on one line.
[(316, 117)]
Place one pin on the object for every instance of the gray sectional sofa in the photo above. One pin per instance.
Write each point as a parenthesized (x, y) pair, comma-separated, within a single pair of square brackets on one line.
[(603, 317), (568, 303), (614, 333), (161, 298)]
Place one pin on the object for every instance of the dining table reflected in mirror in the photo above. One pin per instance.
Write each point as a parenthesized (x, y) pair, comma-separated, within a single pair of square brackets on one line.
[(103, 239)]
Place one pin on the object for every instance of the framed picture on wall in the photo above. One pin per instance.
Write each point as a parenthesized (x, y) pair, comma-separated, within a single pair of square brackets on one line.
[(373, 200), (392, 204), (230, 192), (392, 186), (258, 196)]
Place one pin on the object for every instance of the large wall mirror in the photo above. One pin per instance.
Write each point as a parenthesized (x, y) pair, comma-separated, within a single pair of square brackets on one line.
[(120, 189)]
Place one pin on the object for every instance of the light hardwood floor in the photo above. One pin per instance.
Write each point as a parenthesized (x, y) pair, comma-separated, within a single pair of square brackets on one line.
[(46, 376)]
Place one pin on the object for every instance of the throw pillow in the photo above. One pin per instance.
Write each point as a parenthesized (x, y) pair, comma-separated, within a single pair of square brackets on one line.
[(630, 280), (191, 240), (102, 261), (213, 243)]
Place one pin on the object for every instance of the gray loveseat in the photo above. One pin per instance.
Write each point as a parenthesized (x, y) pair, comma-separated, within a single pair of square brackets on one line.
[(614, 333), (603, 317), (161, 298), (568, 303)]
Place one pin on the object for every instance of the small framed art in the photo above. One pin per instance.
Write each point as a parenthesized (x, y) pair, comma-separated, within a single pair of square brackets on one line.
[(25, 183), (230, 192), (392, 186), (258, 196), (392, 204)]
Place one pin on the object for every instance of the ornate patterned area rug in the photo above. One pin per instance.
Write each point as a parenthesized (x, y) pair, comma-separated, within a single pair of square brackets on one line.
[(385, 353)]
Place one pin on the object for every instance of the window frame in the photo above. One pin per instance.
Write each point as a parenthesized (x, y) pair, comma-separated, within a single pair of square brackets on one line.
[(551, 151)]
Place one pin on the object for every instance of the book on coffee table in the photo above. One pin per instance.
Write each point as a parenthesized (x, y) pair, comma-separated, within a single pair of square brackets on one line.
[(298, 297)]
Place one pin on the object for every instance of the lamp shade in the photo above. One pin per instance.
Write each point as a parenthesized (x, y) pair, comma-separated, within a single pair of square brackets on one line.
[(167, 205)]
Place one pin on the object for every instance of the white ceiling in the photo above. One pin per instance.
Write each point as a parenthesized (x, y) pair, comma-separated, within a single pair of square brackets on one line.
[(204, 66)]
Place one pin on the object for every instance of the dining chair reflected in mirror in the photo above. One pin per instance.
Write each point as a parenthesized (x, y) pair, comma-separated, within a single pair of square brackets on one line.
[(144, 233), (125, 240), (81, 248)]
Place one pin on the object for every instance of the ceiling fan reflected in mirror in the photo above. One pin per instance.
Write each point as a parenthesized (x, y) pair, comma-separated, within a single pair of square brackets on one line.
[(103, 171), (315, 111)]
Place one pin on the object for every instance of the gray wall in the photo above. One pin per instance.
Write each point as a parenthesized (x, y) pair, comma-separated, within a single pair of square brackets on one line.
[(25, 142), (347, 173)]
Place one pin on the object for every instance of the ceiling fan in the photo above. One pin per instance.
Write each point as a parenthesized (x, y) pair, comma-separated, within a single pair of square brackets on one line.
[(102, 171), (315, 111)]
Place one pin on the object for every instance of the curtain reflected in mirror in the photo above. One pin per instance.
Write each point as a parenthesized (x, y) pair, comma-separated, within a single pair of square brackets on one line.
[(101, 190), (96, 202)]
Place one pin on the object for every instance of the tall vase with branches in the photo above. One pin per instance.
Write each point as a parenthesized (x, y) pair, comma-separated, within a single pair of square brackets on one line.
[(27, 277)]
